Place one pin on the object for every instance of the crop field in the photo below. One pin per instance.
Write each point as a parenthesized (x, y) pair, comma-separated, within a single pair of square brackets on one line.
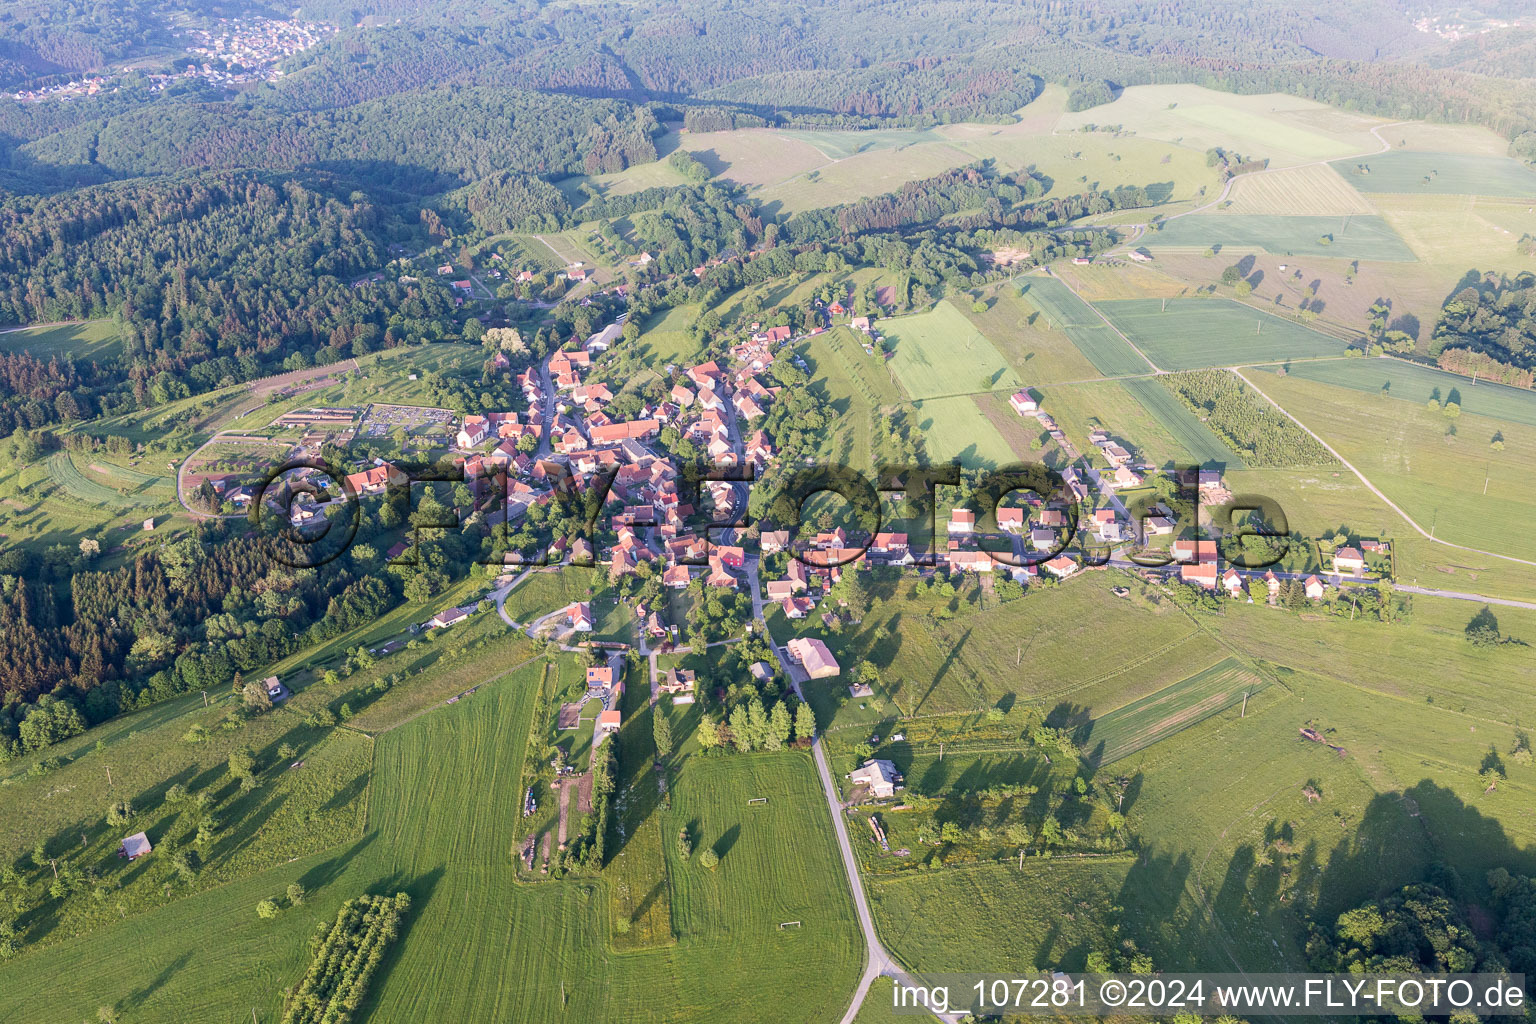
[(1196, 439), (1018, 331), (639, 890), (1415, 383), (1103, 282), (1419, 173), (90, 340), (1458, 485), (1314, 189), (1094, 338), (881, 164), (1192, 334), (940, 353), (995, 917), (1362, 237), (1157, 716), (1286, 129), (1080, 408)]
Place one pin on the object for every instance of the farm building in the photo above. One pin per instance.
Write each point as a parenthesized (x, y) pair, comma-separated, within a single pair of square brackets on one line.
[(962, 520), (275, 689), (1023, 402), (608, 723), (135, 846), (812, 655), (881, 777), (1202, 574)]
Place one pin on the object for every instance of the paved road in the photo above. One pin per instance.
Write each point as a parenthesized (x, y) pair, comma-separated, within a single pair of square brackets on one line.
[(878, 962)]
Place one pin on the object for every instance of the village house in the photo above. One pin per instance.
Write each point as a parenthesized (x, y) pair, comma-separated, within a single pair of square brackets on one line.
[(1011, 519), (447, 617), (1060, 567), (962, 520), (1232, 582), (376, 480), (797, 607), (879, 777), (1194, 551), (1314, 588), (579, 616), (1348, 562)]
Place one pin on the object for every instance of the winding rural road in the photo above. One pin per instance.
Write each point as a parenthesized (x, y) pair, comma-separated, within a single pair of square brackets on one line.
[(1372, 487), (878, 961)]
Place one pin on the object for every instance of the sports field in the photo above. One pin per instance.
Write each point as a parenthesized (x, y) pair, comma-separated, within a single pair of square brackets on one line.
[(1066, 312), (1416, 172), (940, 353), (1363, 237), (1412, 382), (1191, 334), (91, 340), (1157, 716), (1198, 441), (955, 428)]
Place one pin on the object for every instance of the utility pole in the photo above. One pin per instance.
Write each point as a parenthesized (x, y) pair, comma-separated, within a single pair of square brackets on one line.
[(1245, 706), (205, 699), (1021, 858), (109, 778), (55, 865)]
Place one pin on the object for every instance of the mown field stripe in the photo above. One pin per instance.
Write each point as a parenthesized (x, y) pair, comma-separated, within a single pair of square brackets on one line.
[(1201, 443), (1107, 351)]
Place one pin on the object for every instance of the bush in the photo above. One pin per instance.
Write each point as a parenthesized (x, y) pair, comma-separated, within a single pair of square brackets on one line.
[(709, 859), (267, 909)]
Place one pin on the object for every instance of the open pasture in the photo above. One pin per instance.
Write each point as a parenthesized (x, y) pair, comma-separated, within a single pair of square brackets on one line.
[(1192, 334), (1082, 161), (1419, 173), (1357, 237), (954, 428), (89, 340), (1198, 442), (1416, 383), (1159, 715), (1018, 331), (1457, 484), (665, 338), (940, 353), (1286, 129), (1066, 312)]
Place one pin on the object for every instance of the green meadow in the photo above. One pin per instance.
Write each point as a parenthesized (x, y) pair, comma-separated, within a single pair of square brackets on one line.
[(1064, 311), (1197, 441), (1346, 237), (1416, 172), (940, 353), (1189, 334), (1416, 383)]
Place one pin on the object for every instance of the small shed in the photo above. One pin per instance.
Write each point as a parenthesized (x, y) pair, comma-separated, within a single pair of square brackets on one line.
[(135, 846)]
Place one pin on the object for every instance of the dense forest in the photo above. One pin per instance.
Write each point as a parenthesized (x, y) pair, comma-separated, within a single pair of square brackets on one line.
[(1490, 326)]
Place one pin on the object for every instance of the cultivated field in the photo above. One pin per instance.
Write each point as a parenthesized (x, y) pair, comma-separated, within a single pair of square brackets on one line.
[(1313, 189), (1066, 312), (1196, 440), (1191, 334), (1421, 173), (132, 489), (1157, 716), (940, 353), (91, 340), (1361, 237), (1459, 232)]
